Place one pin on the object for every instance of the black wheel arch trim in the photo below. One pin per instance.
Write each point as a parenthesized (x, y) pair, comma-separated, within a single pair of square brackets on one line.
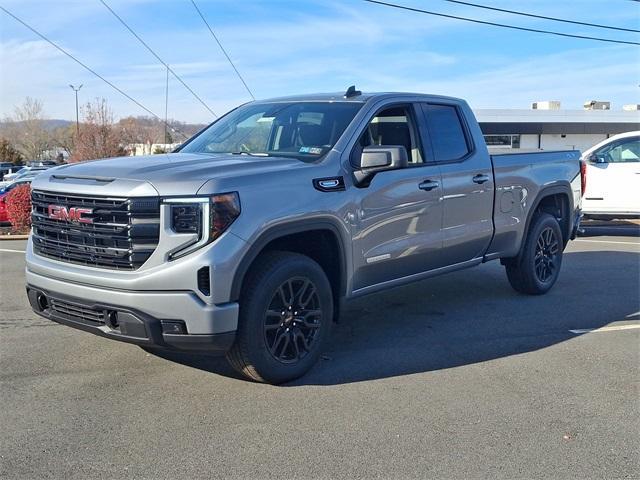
[(563, 188), (282, 230)]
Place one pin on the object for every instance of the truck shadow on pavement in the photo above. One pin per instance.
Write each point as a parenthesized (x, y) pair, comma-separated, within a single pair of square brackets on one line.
[(465, 318)]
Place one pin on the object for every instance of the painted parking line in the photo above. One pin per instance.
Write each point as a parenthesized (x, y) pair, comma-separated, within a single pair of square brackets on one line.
[(607, 329), (11, 251), (607, 241)]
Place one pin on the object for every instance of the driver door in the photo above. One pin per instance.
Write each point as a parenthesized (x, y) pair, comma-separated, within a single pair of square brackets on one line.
[(397, 229), (613, 179)]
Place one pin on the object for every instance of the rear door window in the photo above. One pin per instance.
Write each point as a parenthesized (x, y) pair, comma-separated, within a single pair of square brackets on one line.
[(446, 132)]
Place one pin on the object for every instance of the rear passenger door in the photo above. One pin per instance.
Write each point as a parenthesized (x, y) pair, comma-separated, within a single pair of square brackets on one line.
[(467, 183)]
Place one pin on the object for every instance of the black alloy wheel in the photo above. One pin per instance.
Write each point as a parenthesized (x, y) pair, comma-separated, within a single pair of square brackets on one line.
[(547, 248), (292, 320), (285, 318), (535, 270)]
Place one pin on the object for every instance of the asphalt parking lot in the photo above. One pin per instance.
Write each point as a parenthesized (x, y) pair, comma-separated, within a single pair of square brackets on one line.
[(452, 377)]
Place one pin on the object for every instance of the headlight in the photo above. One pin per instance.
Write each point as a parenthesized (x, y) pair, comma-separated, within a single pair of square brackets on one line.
[(186, 218), (200, 219)]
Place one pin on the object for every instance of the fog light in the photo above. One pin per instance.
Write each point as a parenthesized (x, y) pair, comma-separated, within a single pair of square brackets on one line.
[(176, 327), (112, 320), (43, 303)]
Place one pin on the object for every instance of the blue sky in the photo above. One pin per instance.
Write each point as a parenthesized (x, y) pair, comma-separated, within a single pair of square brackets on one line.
[(283, 47)]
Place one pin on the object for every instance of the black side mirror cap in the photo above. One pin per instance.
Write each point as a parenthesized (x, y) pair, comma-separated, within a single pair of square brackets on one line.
[(593, 158)]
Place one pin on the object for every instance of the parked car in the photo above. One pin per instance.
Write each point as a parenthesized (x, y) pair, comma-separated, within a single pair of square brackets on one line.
[(42, 163), (7, 168), (613, 169), (23, 174), (250, 238), (4, 214), (8, 177)]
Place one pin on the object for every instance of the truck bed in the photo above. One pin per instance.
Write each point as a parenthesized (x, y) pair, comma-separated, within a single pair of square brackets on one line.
[(520, 179)]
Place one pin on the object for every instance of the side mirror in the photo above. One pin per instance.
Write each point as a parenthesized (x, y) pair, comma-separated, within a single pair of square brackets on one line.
[(593, 158), (376, 159)]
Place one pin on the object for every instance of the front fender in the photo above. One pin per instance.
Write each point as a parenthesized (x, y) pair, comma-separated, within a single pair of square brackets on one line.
[(280, 230)]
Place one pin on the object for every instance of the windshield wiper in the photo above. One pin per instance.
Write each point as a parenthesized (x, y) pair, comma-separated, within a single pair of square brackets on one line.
[(252, 154)]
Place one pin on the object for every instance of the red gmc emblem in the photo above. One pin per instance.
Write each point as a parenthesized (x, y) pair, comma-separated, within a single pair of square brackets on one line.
[(73, 214)]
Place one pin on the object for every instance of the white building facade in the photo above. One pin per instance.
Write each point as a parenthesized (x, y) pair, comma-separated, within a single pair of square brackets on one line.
[(553, 129)]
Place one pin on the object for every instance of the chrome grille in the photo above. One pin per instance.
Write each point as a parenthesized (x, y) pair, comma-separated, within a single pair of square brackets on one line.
[(122, 235)]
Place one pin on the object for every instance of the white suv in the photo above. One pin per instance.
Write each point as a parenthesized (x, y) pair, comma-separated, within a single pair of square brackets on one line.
[(613, 177)]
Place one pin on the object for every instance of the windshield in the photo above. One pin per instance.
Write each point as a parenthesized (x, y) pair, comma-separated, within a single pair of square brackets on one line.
[(22, 172), (303, 130)]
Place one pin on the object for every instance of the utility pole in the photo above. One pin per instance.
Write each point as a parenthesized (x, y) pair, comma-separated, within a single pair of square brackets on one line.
[(77, 110), (166, 107)]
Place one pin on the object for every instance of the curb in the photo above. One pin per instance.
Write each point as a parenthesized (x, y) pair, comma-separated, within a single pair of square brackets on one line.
[(13, 237)]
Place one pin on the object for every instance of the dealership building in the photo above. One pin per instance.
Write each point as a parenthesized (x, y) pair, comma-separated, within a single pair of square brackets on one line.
[(548, 127)]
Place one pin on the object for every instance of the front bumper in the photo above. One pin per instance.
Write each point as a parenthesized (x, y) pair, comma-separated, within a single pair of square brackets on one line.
[(174, 320)]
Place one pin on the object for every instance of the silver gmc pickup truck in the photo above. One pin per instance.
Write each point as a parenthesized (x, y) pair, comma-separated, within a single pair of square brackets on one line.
[(250, 236)]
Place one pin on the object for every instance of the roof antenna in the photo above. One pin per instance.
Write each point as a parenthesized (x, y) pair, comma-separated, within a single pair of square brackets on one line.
[(352, 92)]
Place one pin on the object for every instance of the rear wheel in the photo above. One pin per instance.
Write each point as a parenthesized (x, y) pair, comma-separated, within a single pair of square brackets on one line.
[(286, 311), (538, 267)]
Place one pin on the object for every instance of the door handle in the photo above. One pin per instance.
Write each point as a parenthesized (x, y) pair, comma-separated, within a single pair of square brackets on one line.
[(428, 185), (480, 179)]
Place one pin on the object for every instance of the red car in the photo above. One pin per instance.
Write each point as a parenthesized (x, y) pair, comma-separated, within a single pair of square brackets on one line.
[(4, 216)]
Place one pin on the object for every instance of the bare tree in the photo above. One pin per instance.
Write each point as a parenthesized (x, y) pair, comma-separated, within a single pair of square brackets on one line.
[(143, 131), (147, 131), (64, 137), (8, 153), (27, 130), (98, 137)]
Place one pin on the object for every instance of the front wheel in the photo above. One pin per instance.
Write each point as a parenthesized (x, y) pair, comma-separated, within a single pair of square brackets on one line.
[(286, 312), (538, 267)]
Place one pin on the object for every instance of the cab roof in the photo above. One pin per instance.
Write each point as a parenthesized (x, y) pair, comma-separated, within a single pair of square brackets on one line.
[(359, 98)]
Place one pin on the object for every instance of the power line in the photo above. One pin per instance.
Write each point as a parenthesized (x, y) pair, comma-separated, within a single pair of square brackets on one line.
[(223, 50), (555, 19), (120, 91), (513, 27), (157, 57)]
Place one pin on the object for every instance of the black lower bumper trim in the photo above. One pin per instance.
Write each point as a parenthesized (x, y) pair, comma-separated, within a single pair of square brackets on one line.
[(121, 323), (219, 342), (576, 225)]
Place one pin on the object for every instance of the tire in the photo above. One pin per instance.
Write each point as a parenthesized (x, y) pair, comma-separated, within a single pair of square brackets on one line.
[(279, 340), (537, 268)]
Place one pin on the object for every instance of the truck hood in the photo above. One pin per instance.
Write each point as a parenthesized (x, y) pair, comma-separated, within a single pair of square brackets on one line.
[(167, 174)]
